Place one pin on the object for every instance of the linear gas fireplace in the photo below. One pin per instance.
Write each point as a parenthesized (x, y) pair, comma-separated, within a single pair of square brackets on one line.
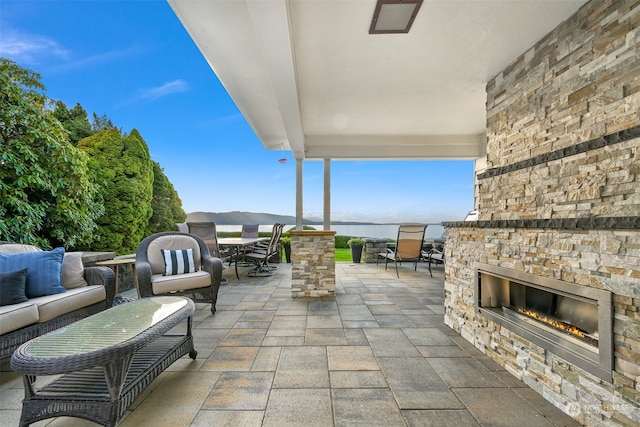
[(569, 320)]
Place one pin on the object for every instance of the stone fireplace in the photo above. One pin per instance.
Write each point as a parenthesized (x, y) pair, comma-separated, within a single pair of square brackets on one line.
[(558, 230)]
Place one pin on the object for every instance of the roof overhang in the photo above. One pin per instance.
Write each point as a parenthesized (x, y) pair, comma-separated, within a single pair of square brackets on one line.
[(308, 76)]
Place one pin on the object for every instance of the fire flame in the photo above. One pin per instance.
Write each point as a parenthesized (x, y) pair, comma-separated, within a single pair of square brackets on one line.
[(570, 329)]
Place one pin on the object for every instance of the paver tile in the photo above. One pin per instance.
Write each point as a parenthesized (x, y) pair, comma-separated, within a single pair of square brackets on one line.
[(325, 337), (302, 367), (351, 358), (365, 407), (439, 418), (297, 407), (240, 391), (500, 407), (357, 379)]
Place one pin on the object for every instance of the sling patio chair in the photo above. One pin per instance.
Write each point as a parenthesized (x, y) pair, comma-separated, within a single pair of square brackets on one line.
[(182, 227), (249, 231), (433, 255), (260, 257), (207, 232), (408, 246)]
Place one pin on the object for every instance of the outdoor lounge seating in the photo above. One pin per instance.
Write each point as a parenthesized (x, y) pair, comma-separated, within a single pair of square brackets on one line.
[(260, 255), (408, 246), (156, 277), (87, 290), (434, 256)]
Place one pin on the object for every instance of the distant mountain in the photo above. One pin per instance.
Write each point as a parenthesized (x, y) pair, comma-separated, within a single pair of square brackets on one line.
[(239, 218)]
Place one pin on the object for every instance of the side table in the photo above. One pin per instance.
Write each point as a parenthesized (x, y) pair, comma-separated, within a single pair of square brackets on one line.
[(116, 263)]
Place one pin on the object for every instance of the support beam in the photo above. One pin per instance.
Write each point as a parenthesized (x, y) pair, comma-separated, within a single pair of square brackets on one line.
[(327, 195), (299, 195)]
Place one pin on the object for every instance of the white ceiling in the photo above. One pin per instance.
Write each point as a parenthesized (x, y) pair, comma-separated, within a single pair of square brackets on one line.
[(308, 76)]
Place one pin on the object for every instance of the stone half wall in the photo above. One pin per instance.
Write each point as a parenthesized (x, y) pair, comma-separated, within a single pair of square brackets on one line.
[(313, 264), (560, 198)]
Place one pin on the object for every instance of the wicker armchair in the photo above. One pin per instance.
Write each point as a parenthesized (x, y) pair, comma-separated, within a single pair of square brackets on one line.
[(201, 286)]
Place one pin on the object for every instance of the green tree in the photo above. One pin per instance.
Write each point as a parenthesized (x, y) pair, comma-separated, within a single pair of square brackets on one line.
[(75, 121), (122, 166), (101, 123), (166, 204), (46, 196)]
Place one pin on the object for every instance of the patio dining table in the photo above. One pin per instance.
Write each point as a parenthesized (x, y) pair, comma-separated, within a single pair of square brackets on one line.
[(238, 243)]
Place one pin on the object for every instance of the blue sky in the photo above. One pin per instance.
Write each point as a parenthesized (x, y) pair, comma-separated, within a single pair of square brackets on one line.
[(134, 62)]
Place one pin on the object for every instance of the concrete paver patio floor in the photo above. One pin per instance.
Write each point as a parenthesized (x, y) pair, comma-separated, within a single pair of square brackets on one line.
[(378, 354)]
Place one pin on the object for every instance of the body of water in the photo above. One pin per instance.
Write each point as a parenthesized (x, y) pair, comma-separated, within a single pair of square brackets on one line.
[(384, 231)]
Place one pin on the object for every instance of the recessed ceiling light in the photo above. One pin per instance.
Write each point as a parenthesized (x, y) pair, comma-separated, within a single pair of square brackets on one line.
[(394, 16)]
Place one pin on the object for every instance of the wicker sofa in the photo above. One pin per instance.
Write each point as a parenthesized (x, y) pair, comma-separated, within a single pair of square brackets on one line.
[(26, 320)]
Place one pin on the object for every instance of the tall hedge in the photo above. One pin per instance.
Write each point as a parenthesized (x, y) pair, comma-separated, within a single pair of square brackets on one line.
[(166, 204), (46, 195), (75, 121), (122, 167)]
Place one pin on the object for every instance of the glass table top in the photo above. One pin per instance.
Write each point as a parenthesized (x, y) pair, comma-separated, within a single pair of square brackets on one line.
[(105, 329)]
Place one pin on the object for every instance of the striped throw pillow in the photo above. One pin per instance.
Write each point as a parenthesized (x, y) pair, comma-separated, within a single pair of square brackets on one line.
[(178, 261)]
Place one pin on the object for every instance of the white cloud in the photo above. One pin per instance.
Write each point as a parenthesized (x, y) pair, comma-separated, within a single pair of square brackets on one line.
[(168, 88), (157, 92), (29, 48), (99, 58), (35, 49)]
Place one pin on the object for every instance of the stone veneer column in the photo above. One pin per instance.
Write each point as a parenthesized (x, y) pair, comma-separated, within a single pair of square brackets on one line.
[(313, 263), (372, 247)]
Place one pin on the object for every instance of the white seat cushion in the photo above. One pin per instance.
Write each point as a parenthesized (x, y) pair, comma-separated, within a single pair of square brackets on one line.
[(179, 282), (16, 316), (52, 306)]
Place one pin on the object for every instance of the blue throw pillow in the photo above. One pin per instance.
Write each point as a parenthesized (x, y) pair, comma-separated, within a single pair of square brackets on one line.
[(12, 286), (45, 267)]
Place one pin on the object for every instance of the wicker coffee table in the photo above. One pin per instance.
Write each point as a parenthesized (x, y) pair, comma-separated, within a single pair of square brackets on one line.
[(107, 359)]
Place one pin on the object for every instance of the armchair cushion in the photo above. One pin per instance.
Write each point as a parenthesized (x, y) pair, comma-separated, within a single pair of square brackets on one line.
[(171, 241), (164, 284), (12, 287), (178, 261), (43, 277)]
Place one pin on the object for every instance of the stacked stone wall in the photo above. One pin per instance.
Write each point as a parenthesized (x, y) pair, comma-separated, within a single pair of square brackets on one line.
[(601, 182), (313, 263), (560, 198), (580, 82), (605, 259), (372, 248)]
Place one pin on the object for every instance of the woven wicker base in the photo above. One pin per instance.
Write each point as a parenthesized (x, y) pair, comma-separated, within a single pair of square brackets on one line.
[(85, 395)]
